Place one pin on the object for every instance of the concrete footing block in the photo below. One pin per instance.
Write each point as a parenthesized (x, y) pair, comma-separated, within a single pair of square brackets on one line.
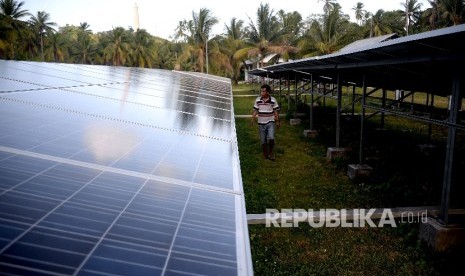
[(440, 237), (310, 133), (294, 122), (336, 153), (358, 171)]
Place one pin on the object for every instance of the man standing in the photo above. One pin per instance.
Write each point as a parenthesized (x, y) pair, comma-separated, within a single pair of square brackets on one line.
[(266, 108)]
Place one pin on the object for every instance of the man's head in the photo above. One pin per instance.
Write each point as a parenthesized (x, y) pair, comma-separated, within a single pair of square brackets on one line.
[(266, 89)]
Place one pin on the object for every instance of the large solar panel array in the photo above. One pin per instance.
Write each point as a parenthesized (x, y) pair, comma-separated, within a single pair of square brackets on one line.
[(118, 171)]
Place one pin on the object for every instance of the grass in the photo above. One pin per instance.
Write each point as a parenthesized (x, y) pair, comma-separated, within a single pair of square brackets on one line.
[(302, 177), (304, 161)]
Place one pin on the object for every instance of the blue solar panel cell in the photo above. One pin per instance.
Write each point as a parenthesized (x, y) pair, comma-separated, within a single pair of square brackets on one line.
[(10, 231), (24, 260), (183, 264), (9, 178), (108, 265), (79, 219), (24, 208), (26, 164), (159, 237), (72, 172), (141, 254), (59, 240), (50, 187), (118, 182)]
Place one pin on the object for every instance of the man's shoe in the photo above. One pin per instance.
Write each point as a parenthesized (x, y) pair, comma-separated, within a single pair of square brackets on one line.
[(271, 157)]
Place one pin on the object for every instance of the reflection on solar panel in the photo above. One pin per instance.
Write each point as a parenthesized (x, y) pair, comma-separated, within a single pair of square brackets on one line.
[(108, 170)]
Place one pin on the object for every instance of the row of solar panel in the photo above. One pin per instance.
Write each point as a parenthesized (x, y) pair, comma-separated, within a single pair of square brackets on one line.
[(107, 170)]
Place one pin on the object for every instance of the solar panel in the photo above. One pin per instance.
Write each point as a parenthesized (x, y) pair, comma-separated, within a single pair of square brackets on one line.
[(118, 171)]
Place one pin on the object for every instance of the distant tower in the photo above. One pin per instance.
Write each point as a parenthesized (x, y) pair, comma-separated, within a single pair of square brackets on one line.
[(136, 17)]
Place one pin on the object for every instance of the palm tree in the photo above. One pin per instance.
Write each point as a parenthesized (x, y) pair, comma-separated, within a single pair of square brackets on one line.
[(41, 25), (438, 15), (219, 61), (165, 57), (85, 27), (387, 22), (430, 16), (203, 24), (11, 12), (292, 26), (235, 29), (142, 49), (196, 33), (328, 6), (83, 48), (453, 10), (262, 37), (234, 41), (329, 35), (11, 26), (180, 32), (28, 45), (58, 50), (359, 12), (117, 47), (412, 13)]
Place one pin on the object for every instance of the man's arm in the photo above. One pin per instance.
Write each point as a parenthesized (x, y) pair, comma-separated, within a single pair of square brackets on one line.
[(254, 115), (276, 118)]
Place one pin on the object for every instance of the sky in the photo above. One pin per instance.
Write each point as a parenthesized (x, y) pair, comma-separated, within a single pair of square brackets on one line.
[(160, 18)]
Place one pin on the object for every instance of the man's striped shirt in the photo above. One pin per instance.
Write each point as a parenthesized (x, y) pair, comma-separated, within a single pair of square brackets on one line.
[(266, 109)]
